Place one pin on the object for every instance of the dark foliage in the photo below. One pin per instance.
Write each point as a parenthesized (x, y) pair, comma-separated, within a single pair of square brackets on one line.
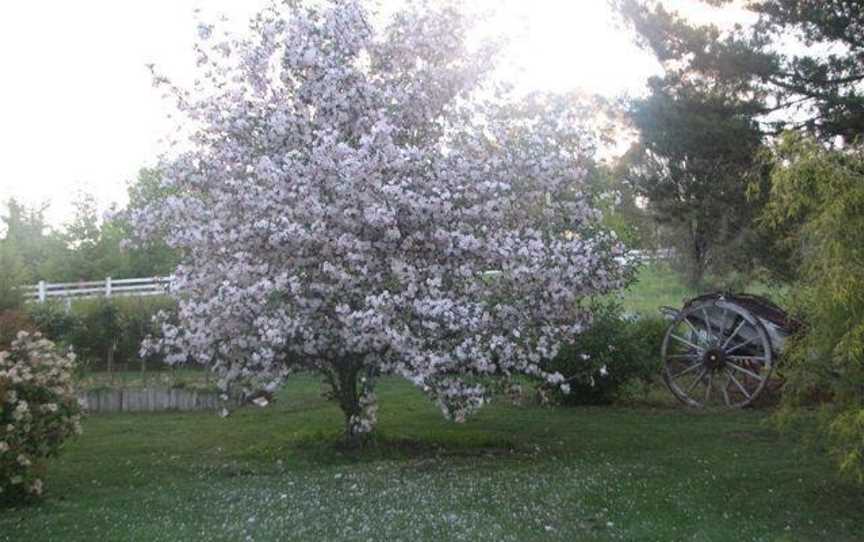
[(611, 358), (815, 87)]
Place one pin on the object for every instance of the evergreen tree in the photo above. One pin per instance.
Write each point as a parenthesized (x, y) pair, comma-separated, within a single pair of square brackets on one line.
[(802, 61), (697, 149)]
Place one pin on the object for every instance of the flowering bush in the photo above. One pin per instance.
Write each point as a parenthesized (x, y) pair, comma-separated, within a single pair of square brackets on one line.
[(358, 199), (38, 411)]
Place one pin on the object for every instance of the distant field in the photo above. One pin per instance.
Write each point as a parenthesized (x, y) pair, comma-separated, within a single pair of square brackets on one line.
[(646, 472), (658, 285)]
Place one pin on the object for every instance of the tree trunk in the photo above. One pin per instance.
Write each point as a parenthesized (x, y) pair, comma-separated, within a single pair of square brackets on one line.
[(110, 360), (696, 277), (349, 390), (349, 402), (697, 264), (143, 358)]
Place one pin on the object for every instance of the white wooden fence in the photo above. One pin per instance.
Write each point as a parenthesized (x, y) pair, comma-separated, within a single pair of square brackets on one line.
[(99, 288), (652, 255), (159, 285)]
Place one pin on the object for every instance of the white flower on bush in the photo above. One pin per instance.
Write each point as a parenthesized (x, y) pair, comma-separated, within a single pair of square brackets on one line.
[(36, 487), (38, 410), (20, 410)]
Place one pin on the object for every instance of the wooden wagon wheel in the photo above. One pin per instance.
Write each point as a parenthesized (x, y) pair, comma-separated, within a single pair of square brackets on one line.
[(716, 353)]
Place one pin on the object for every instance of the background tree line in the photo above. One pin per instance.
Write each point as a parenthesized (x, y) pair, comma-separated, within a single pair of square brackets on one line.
[(749, 162), (88, 247), (702, 162), (105, 333)]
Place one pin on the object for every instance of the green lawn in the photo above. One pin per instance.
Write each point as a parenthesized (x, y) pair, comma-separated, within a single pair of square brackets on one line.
[(658, 285), (655, 286), (646, 471), (651, 472)]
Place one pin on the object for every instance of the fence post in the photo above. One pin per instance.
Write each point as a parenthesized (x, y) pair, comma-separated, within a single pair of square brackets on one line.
[(41, 291), (107, 286)]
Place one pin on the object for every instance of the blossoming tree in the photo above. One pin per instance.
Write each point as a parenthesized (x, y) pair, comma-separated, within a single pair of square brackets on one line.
[(357, 199)]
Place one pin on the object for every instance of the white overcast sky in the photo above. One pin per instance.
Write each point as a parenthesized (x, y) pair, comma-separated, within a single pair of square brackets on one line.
[(78, 112)]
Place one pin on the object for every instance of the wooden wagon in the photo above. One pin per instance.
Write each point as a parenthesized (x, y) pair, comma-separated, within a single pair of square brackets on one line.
[(720, 349)]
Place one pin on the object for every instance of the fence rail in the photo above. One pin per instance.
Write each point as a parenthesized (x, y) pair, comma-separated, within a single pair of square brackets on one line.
[(159, 285), (100, 288), (652, 255)]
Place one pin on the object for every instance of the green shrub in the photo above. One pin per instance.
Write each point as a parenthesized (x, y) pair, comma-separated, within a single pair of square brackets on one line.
[(104, 329), (606, 360), (53, 320), (11, 322), (136, 316), (98, 330)]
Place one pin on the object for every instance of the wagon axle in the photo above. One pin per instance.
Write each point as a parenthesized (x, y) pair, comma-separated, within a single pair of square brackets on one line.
[(714, 359)]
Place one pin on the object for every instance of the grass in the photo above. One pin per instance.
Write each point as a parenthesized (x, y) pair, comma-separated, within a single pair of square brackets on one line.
[(659, 285), (643, 472)]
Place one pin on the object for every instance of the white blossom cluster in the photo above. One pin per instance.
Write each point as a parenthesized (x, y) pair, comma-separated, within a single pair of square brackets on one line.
[(38, 411), (360, 200)]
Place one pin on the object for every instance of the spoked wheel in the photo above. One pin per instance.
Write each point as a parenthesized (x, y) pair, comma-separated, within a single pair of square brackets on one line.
[(716, 354)]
